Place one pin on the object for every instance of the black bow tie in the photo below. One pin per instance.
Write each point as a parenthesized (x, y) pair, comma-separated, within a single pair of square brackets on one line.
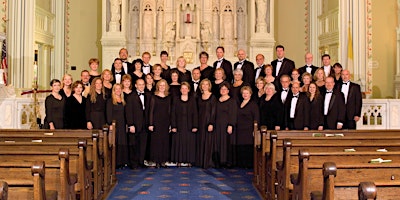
[(196, 82), (345, 83), (285, 90), (296, 96), (280, 60), (118, 73), (140, 94), (146, 65), (241, 63), (86, 84), (329, 92), (220, 61)]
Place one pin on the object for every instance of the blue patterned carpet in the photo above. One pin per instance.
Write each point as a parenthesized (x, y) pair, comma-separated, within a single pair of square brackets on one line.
[(184, 183)]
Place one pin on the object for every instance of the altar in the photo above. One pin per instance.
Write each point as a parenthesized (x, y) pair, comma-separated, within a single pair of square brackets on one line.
[(186, 28)]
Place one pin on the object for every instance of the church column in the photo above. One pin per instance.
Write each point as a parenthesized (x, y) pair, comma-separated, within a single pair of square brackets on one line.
[(59, 37), (397, 76), (21, 40), (262, 36), (113, 38)]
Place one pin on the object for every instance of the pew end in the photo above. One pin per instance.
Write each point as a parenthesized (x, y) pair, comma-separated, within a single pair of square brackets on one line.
[(366, 191), (3, 190)]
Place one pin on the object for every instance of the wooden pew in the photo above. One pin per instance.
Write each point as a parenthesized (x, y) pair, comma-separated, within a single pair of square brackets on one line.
[(26, 181), (3, 190), (260, 161), (96, 151), (17, 151), (107, 139), (348, 176), (273, 146)]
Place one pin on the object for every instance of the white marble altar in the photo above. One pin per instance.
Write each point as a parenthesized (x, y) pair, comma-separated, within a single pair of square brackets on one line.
[(187, 27)]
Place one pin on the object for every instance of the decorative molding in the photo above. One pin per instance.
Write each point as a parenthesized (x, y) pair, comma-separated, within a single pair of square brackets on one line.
[(66, 32)]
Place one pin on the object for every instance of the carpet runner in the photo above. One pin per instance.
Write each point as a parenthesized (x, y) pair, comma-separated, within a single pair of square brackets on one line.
[(184, 183)]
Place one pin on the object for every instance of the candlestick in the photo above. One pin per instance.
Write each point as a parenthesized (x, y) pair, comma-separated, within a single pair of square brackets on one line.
[(35, 74)]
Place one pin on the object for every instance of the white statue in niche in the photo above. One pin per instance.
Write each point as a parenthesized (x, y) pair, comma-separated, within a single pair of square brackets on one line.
[(205, 32), (115, 10), (170, 32), (261, 10)]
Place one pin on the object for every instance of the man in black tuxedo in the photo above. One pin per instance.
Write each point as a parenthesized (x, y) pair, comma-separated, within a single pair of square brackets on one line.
[(223, 63), (283, 92), (135, 113), (85, 77), (326, 62), (146, 68), (334, 106), (309, 67), (246, 66), (118, 71), (282, 65), (259, 71), (195, 84), (126, 65), (297, 111), (352, 99)]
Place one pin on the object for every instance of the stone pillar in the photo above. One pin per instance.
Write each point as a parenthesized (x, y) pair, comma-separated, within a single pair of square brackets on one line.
[(21, 51), (113, 36), (262, 37), (397, 76)]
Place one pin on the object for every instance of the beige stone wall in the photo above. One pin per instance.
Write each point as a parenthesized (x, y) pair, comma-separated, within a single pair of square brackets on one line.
[(289, 29), (384, 22), (84, 34)]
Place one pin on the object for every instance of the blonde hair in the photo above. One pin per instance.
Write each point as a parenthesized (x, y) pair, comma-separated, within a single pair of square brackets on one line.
[(184, 83), (177, 60), (62, 82), (166, 92), (205, 81), (114, 96), (93, 93), (316, 74), (223, 73), (109, 71)]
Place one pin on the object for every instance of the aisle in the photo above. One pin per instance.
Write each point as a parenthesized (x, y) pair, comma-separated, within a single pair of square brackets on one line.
[(184, 183)]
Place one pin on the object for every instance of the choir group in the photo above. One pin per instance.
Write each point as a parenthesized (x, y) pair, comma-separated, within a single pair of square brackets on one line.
[(204, 117)]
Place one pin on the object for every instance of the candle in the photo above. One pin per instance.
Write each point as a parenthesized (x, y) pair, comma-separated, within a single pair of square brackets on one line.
[(35, 73), (188, 17)]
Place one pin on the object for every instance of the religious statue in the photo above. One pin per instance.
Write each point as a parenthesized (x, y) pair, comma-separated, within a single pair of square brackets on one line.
[(115, 10), (261, 7), (170, 32), (115, 13), (205, 32)]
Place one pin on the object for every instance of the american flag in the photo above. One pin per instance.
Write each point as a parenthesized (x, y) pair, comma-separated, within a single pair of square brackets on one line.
[(4, 67)]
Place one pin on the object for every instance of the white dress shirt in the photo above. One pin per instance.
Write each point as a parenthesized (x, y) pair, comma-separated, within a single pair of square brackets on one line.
[(293, 105), (328, 97), (345, 90)]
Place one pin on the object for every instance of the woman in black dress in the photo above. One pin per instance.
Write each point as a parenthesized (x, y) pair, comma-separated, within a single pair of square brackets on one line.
[(93, 65), (206, 139), (54, 105), (184, 74), (137, 74), (220, 77), (75, 117), (248, 113), (157, 72), (317, 107), (66, 90), (165, 67), (319, 79), (107, 78), (237, 85), (226, 116), (260, 84), (271, 108), (96, 105), (184, 124), (205, 70), (175, 85), (116, 111), (159, 123), (150, 86)]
